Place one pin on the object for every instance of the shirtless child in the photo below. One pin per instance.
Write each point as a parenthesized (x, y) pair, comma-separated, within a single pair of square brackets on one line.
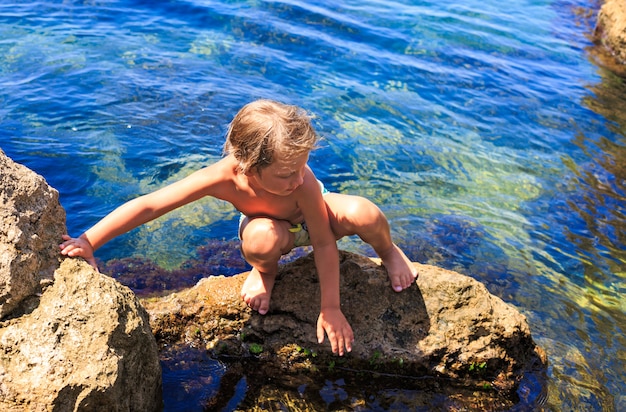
[(265, 176)]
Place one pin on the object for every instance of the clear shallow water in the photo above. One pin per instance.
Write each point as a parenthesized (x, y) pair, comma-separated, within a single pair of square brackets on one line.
[(483, 129)]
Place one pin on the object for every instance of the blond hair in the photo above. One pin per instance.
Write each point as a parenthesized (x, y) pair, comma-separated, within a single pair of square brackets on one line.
[(265, 130)]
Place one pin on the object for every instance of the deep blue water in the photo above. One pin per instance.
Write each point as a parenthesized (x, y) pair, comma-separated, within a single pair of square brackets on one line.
[(492, 140)]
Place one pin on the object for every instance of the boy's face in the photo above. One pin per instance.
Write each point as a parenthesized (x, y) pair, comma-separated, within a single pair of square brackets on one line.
[(282, 177)]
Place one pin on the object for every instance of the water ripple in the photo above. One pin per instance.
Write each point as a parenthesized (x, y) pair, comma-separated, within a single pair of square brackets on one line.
[(479, 127)]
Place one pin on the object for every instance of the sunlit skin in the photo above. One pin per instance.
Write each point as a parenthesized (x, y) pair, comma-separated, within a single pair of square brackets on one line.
[(284, 193)]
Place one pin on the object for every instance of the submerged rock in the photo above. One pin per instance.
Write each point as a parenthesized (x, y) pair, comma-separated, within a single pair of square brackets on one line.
[(447, 326)]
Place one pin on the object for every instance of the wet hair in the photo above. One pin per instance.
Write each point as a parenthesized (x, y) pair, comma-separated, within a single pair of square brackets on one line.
[(265, 130)]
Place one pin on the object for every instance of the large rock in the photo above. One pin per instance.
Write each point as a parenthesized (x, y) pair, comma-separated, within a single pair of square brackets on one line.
[(85, 346), (31, 221), (447, 326), (79, 342)]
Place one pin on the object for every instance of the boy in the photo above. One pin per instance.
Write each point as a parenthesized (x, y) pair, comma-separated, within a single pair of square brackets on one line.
[(265, 176)]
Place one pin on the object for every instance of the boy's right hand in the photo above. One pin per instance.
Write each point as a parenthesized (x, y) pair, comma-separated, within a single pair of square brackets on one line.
[(78, 247), (336, 326)]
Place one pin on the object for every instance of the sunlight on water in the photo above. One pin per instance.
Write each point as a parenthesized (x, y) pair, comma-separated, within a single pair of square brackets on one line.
[(483, 130)]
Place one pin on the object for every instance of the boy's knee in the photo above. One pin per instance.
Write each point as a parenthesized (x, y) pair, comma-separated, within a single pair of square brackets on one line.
[(364, 212), (356, 215), (260, 240)]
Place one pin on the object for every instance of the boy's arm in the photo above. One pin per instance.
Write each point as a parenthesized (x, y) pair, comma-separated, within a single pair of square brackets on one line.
[(331, 319), (139, 211)]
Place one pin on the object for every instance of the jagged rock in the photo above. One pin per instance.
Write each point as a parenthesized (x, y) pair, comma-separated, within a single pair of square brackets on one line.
[(71, 338), (86, 346), (445, 326), (611, 29), (31, 221)]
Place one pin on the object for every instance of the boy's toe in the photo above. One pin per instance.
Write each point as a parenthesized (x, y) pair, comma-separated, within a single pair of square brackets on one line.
[(264, 307)]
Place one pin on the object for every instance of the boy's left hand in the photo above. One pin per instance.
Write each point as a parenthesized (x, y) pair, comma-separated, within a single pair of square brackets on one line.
[(78, 247), (336, 326)]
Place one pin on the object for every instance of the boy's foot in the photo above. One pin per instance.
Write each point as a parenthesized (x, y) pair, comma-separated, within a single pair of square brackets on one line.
[(400, 269), (257, 291)]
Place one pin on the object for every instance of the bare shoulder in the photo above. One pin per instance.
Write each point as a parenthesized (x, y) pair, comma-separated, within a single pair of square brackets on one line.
[(311, 185), (215, 178), (220, 170)]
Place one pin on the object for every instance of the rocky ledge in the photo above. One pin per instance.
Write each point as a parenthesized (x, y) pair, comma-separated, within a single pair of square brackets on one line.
[(447, 327)]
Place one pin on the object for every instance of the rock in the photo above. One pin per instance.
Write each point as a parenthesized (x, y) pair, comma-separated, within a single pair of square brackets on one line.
[(85, 346), (610, 29), (31, 221), (71, 338), (446, 326)]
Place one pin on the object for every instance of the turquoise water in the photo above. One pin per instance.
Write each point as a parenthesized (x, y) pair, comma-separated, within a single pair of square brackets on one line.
[(485, 131)]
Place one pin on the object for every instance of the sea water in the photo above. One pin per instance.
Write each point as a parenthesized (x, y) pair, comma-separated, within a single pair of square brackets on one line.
[(484, 130)]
